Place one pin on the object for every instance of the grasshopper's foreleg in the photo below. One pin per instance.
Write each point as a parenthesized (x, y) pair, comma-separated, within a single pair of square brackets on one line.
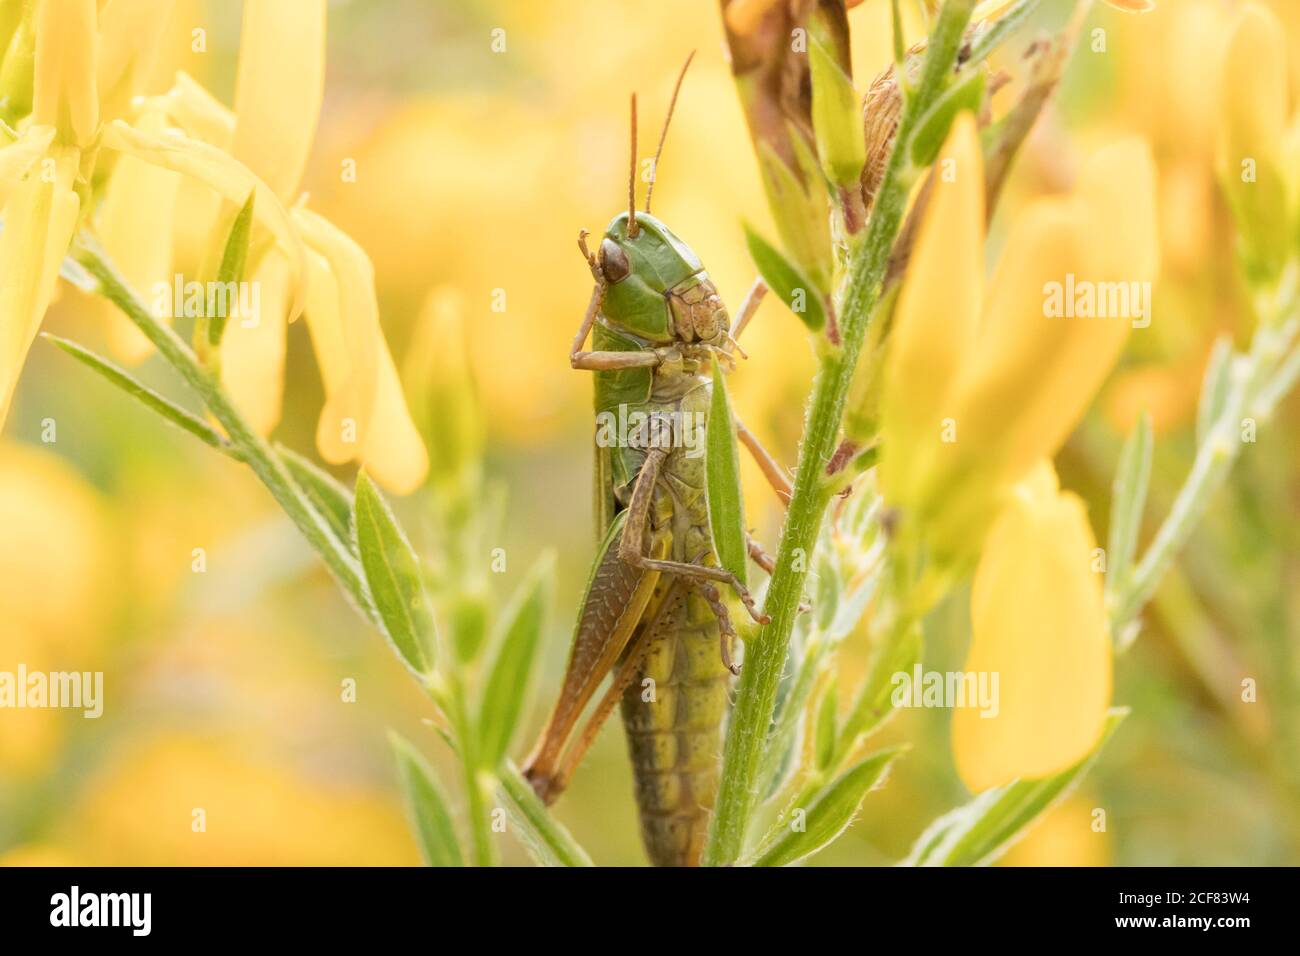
[(726, 631), (604, 361), (631, 547)]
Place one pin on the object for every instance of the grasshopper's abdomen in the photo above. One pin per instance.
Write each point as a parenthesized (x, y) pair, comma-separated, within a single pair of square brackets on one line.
[(674, 710), (673, 715)]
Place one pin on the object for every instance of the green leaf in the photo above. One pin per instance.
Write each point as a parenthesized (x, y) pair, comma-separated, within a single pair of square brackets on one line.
[(519, 635), (830, 812), (1216, 388), (722, 481), (545, 838), (784, 278), (836, 117), (932, 129), (991, 36), (1128, 498), (981, 831), (332, 500), (874, 703), (392, 573), (824, 738), (234, 259), (427, 805), (178, 416)]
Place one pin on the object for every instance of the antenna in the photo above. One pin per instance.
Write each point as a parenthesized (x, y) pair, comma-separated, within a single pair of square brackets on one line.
[(664, 133), (632, 228)]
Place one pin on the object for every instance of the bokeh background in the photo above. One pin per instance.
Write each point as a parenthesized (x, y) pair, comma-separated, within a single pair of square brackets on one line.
[(474, 171)]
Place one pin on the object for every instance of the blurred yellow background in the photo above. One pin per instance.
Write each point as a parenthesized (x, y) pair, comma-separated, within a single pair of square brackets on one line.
[(474, 171)]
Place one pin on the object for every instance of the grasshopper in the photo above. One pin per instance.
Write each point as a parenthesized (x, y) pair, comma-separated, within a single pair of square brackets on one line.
[(653, 612)]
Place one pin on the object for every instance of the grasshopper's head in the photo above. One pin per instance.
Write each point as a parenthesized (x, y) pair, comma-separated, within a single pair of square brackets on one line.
[(655, 285)]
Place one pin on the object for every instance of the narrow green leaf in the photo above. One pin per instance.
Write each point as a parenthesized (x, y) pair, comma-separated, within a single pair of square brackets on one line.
[(1128, 498), (332, 500), (427, 806), (546, 839), (824, 739), (966, 93), (178, 416), (991, 36), (722, 482), (234, 259), (784, 278), (897, 655), (981, 831), (519, 635), (830, 812), (836, 117), (392, 573), (1216, 387)]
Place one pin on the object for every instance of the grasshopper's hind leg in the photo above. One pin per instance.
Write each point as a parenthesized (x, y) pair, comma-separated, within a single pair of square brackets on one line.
[(631, 548)]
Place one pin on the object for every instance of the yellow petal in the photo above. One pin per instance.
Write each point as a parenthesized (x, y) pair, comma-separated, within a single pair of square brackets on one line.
[(346, 335), (39, 217), (17, 158), (1118, 187), (1252, 117), (134, 224), (129, 37), (227, 176), (394, 454), (253, 347), (189, 105), (938, 308), (1039, 624), (67, 49), (279, 88), (365, 415)]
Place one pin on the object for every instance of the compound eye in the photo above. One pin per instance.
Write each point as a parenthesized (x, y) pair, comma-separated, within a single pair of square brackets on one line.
[(613, 261)]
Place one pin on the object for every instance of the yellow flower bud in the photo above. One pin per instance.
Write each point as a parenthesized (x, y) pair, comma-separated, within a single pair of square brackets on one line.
[(1038, 622), (1252, 118)]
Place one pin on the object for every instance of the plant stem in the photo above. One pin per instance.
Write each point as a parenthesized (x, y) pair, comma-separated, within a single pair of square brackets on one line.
[(1213, 464), (765, 658), (264, 462)]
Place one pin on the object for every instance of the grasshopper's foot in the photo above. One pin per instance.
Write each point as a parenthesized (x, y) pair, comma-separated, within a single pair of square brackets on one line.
[(726, 632)]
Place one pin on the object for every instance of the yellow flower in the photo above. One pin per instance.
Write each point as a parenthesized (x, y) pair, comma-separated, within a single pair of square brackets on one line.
[(1252, 118), (1039, 624), (150, 197), (979, 386)]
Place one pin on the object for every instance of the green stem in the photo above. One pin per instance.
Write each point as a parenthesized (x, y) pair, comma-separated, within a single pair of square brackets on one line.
[(1213, 464), (480, 825), (255, 450), (765, 657)]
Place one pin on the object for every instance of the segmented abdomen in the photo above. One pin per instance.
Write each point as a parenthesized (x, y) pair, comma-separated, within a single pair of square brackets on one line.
[(673, 715)]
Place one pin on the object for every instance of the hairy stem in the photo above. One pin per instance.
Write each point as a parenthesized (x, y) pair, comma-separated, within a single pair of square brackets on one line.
[(765, 657)]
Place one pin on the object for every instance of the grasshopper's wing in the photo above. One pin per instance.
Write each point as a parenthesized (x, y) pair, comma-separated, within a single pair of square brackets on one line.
[(615, 601)]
